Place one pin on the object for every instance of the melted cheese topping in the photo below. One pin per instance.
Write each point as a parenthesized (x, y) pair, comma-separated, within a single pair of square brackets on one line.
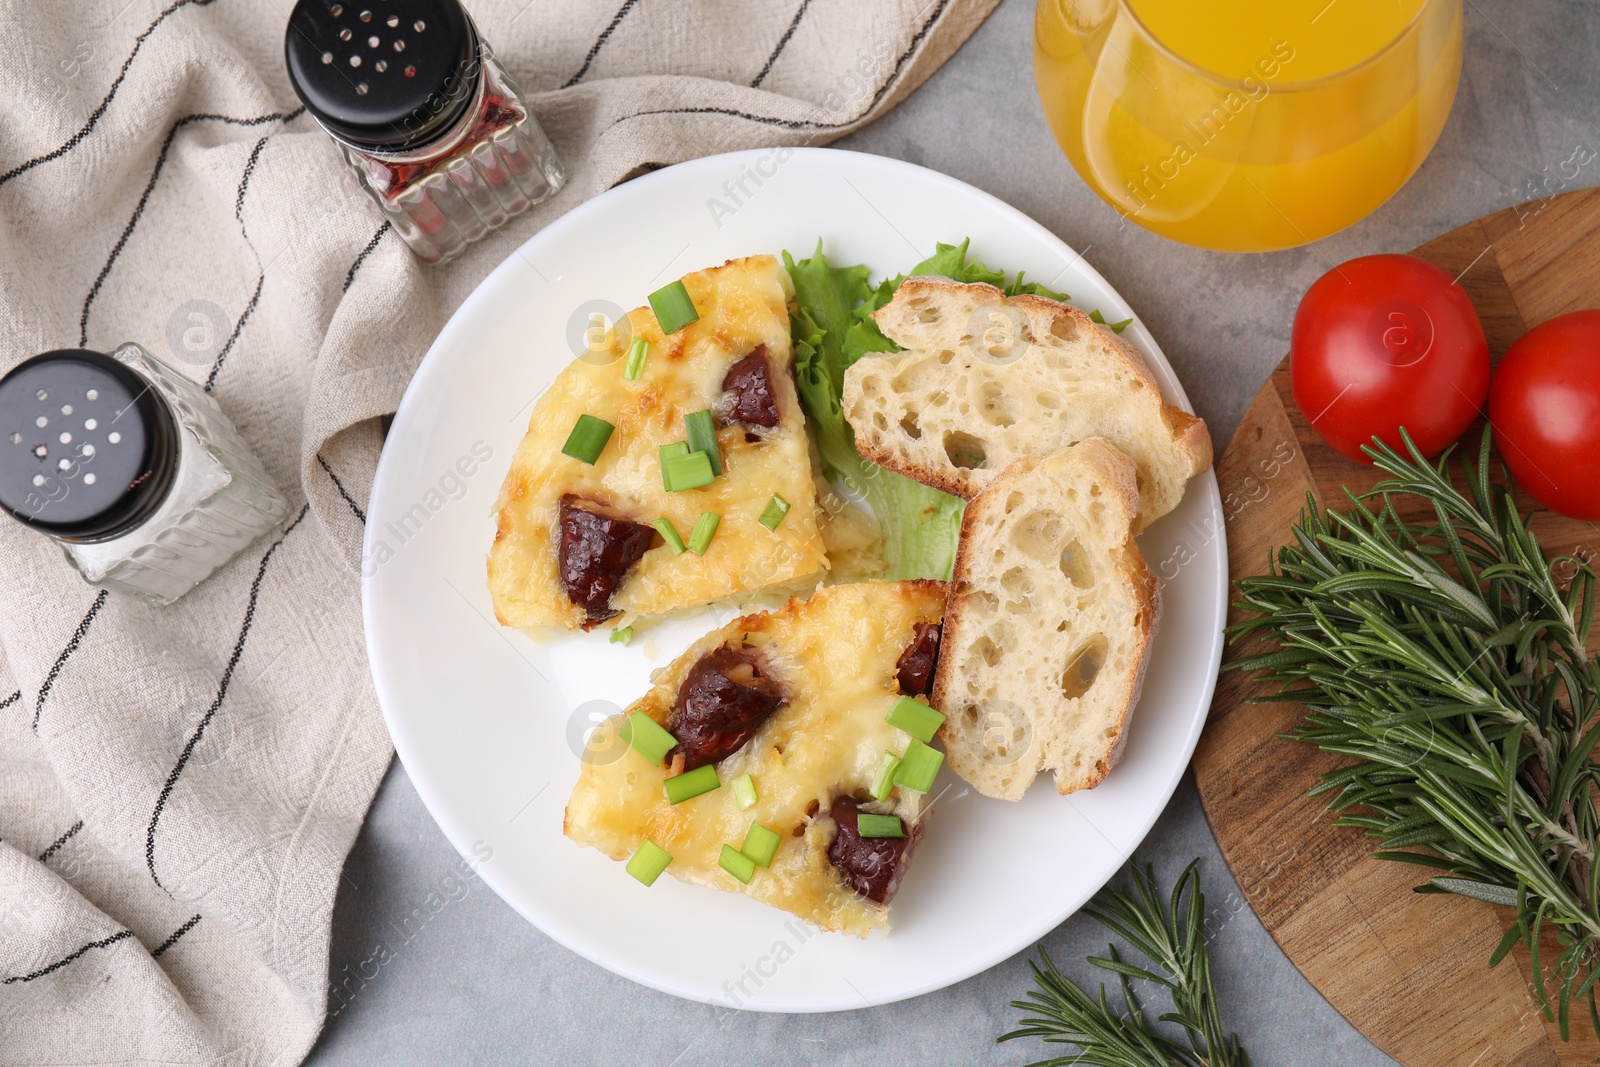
[(835, 655), (742, 304)]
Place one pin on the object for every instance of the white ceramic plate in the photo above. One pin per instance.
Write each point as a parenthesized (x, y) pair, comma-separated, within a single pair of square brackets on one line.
[(489, 724)]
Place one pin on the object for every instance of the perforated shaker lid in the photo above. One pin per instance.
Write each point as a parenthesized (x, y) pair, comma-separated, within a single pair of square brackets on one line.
[(388, 75), (88, 449)]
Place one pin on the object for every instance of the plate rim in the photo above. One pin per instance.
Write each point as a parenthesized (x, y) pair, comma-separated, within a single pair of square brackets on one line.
[(412, 406)]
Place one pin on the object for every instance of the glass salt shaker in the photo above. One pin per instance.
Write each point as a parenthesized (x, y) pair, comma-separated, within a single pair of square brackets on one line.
[(132, 468), (436, 131)]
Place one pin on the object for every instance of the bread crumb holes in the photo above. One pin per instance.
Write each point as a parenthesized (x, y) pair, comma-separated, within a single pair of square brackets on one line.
[(994, 408), (964, 450), (985, 650), (1083, 667), (1075, 565), (1037, 535)]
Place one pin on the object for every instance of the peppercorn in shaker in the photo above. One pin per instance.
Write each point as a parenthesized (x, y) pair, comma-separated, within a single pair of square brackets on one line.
[(436, 131), (131, 468)]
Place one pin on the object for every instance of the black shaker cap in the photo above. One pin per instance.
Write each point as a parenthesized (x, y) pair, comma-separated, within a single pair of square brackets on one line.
[(88, 449), (386, 75)]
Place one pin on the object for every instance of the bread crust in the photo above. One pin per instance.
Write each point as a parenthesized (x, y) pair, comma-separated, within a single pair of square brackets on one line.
[(1148, 590), (936, 477)]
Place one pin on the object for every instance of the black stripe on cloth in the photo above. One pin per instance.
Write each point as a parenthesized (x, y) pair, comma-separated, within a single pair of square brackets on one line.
[(244, 182), (911, 50), (144, 199), (600, 42), (788, 124), (350, 276), (44, 857), (77, 138), (261, 278), (176, 934), (66, 654), (783, 42), (800, 124), (238, 328), (121, 935), (10, 700), (222, 694), (337, 484)]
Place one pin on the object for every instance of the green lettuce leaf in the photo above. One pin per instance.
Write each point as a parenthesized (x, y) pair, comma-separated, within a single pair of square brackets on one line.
[(949, 261), (833, 327), (920, 525), (1116, 327)]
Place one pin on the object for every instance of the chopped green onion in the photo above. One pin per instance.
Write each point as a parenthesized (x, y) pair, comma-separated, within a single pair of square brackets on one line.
[(737, 864), (681, 787), (1116, 327), (674, 310), (744, 791), (669, 534), (915, 718), (703, 437), (588, 438), (776, 509), (669, 453), (648, 863), (705, 528), (879, 825), (883, 782), (638, 350), (761, 844), (687, 472), (622, 636), (919, 764), (647, 737)]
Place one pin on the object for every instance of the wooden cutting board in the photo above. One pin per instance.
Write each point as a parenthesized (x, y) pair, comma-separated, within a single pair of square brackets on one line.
[(1409, 971)]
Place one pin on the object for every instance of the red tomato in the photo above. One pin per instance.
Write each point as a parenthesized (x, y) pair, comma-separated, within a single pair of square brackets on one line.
[(1544, 406), (1383, 342)]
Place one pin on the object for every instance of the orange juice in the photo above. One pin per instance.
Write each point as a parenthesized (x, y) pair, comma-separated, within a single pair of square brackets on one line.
[(1246, 125)]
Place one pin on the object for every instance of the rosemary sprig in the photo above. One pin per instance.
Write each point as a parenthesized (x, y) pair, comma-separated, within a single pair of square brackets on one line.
[(1446, 659), (1171, 936)]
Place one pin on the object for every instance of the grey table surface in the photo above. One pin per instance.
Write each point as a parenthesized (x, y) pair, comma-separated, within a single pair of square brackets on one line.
[(442, 972)]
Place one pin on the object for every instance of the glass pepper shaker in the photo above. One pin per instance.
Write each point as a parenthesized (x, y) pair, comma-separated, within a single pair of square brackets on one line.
[(437, 132), (132, 468)]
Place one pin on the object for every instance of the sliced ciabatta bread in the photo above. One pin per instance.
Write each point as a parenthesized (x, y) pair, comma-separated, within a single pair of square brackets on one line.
[(985, 380), (1048, 624)]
